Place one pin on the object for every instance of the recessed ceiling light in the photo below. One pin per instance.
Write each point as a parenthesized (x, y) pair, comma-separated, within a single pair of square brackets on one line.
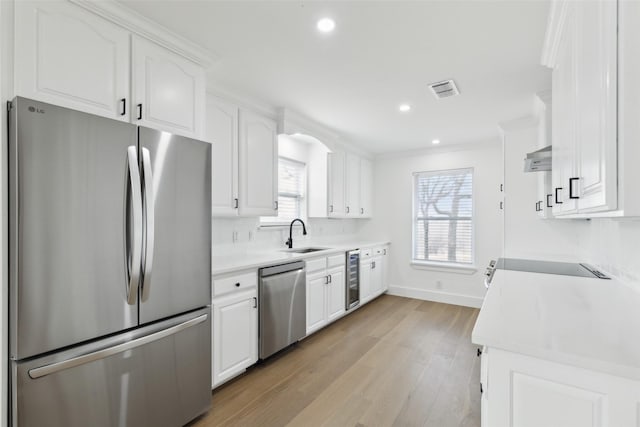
[(435, 141), (326, 25), (404, 108)]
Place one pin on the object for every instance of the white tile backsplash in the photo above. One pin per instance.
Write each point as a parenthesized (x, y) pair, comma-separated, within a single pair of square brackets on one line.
[(232, 236)]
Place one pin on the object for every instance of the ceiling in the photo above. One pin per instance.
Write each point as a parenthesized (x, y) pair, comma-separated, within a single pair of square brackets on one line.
[(381, 54)]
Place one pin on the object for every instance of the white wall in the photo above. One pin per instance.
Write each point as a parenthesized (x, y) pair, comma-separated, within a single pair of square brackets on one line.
[(526, 235), (393, 193)]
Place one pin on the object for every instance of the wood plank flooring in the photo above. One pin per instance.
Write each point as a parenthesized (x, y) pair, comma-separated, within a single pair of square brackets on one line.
[(394, 362)]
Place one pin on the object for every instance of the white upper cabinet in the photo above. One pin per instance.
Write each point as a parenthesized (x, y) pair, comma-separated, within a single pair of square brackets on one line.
[(352, 186), (168, 90), (68, 56), (221, 129), (258, 165), (366, 188), (336, 184), (585, 100), (596, 81)]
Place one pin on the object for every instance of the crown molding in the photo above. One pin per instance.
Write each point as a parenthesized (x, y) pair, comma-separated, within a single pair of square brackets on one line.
[(290, 122), (555, 24), (242, 101), (143, 26)]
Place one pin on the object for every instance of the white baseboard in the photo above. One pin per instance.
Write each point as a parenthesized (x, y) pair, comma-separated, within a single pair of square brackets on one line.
[(437, 296)]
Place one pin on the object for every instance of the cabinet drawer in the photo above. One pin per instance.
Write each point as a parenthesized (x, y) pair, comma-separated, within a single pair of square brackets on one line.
[(336, 260), (316, 264), (224, 285)]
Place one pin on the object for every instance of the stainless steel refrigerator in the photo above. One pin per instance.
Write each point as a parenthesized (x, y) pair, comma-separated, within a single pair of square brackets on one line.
[(109, 271)]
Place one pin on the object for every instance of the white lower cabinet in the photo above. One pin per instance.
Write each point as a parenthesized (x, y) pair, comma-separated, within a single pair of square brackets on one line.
[(524, 391), (235, 326), (326, 291), (373, 273)]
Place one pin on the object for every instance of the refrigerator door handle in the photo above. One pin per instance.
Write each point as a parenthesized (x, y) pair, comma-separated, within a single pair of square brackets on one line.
[(133, 258), (104, 353), (149, 203)]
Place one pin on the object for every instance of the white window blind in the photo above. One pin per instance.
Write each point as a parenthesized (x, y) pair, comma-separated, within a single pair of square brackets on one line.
[(291, 189), (443, 216)]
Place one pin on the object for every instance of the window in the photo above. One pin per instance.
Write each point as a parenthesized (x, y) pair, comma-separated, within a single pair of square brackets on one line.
[(443, 217), (292, 176)]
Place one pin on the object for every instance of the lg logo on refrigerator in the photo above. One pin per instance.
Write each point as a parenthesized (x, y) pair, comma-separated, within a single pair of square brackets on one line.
[(36, 110)]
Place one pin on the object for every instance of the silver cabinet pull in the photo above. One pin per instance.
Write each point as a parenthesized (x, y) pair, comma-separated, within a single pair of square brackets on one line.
[(235, 201), (276, 205), (133, 258), (101, 354), (149, 203), (347, 209)]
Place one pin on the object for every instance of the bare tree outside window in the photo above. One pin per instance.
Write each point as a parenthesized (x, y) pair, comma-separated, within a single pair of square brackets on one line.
[(443, 216)]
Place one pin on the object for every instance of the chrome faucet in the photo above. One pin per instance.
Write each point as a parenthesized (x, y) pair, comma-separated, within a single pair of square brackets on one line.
[(304, 232)]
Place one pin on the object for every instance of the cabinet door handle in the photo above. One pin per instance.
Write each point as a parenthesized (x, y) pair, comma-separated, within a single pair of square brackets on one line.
[(326, 279), (549, 196), (481, 390), (276, 205), (384, 252), (558, 202), (571, 181), (255, 302), (501, 205), (347, 209), (373, 265), (330, 279), (139, 111), (235, 201), (238, 285), (501, 188), (478, 352), (330, 208), (362, 211), (124, 106)]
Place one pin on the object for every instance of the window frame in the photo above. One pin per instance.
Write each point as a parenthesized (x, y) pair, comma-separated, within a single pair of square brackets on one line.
[(272, 221), (464, 267)]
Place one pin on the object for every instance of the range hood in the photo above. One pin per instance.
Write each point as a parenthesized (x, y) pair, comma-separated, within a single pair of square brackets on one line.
[(538, 161)]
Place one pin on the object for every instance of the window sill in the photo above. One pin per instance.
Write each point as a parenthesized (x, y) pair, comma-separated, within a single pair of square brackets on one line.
[(447, 268)]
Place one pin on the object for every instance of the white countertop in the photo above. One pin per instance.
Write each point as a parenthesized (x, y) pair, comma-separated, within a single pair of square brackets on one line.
[(229, 263), (590, 323)]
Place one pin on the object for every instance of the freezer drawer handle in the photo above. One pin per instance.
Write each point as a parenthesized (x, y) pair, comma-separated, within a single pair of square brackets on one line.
[(133, 261), (149, 203), (102, 354)]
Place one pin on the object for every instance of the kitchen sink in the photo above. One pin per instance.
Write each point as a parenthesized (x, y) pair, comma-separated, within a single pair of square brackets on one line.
[(304, 250)]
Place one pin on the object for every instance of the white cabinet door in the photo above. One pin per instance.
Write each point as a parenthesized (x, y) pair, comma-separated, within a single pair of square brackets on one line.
[(221, 129), (384, 264), (564, 113), (352, 186), (365, 280), (73, 58), (596, 80), (376, 276), (336, 293), (235, 334), (335, 190), (366, 188), (168, 90), (258, 165), (316, 284)]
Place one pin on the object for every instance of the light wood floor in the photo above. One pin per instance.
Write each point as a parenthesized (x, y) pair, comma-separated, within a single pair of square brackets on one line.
[(394, 362)]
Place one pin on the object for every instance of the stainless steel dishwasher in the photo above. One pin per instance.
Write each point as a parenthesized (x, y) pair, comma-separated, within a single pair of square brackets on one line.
[(283, 306)]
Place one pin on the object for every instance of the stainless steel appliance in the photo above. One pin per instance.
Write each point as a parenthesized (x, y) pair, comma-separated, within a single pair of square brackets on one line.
[(545, 267), (109, 271), (353, 279), (283, 306)]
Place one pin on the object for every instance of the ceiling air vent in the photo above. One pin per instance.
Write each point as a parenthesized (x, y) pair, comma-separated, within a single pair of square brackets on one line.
[(444, 89)]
